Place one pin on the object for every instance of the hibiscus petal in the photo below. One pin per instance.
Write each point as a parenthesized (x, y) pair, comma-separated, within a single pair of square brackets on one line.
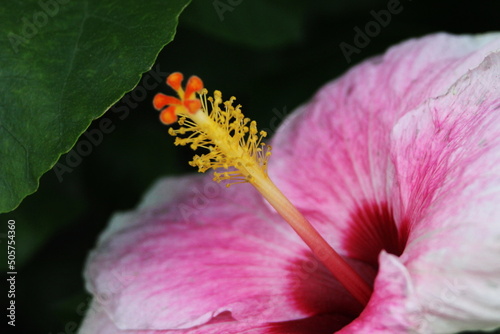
[(98, 322), (204, 251), (332, 157), (390, 309), (447, 155), (413, 136)]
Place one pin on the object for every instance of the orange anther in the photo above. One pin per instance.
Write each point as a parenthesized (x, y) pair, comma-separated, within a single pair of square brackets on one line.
[(161, 100), (194, 85), (174, 80), (168, 116), (186, 101)]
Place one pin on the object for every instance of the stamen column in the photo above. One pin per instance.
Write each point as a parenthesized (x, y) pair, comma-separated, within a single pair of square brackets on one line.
[(340, 269)]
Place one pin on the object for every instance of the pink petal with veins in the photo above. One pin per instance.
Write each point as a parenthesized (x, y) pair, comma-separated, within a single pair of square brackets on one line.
[(207, 250), (403, 154)]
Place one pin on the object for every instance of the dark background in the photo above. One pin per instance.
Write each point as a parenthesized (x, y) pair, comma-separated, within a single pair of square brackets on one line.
[(271, 55)]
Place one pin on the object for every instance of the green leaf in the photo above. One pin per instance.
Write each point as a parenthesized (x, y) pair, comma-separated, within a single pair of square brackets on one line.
[(62, 64)]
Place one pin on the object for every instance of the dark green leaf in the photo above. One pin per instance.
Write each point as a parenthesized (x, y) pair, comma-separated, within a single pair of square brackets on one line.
[(63, 63)]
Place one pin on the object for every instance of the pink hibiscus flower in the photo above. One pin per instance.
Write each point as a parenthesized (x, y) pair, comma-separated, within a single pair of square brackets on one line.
[(396, 164)]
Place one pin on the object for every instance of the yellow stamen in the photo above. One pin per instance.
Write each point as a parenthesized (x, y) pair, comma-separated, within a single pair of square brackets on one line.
[(232, 140)]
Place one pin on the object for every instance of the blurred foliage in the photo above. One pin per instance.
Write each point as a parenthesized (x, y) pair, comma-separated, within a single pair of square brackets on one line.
[(252, 29), (271, 55)]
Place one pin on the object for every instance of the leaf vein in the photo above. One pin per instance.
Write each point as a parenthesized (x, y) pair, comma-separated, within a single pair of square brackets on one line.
[(70, 69), (26, 152)]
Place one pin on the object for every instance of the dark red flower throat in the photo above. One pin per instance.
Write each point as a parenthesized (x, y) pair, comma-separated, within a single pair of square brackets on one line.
[(373, 229)]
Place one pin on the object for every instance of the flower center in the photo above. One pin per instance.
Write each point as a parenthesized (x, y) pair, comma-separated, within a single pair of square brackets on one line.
[(234, 144), (373, 229)]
